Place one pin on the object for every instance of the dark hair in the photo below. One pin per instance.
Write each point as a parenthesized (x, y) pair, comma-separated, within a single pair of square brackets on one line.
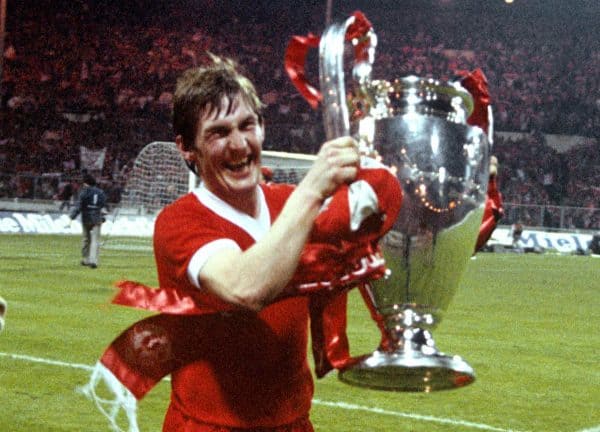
[(203, 88), (89, 180)]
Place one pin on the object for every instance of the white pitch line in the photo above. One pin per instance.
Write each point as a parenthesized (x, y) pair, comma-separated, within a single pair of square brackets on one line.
[(45, 361), (592, 429), (426, 418)]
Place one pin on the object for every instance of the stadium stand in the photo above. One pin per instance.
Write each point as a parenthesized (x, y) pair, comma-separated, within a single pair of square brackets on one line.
[(99, 74)]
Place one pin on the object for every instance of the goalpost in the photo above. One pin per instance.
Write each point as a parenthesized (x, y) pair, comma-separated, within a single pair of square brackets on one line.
[(159, 175)]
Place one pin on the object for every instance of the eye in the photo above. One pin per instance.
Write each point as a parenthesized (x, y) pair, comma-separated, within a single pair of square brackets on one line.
[(250, 124), (250, 121), (216, 133)]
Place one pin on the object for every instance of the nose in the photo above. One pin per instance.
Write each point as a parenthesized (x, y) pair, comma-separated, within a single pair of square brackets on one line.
[(237, 140)]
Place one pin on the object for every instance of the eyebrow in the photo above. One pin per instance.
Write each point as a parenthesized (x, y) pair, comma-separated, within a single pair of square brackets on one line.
[(215, 128), (252, 117)]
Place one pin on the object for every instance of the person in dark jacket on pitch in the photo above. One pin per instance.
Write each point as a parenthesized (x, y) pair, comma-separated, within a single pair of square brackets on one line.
[(90, 203)]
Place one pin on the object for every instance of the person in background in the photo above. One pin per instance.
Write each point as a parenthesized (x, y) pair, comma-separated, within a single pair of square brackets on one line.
[(594, 244), (3, 307), (65, 195), (91, 203), (516, 232)]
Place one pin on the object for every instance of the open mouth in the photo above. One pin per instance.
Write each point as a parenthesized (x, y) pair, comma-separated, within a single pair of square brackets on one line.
[(239, 165)]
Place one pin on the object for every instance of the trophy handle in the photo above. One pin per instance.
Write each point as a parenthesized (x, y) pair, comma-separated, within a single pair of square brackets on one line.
[(295, 60), (356, 29)]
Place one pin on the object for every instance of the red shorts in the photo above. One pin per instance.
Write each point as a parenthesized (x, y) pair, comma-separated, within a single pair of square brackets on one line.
[(177, 422)]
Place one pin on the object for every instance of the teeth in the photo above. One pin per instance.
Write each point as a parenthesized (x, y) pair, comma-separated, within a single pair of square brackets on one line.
[(239, 164)]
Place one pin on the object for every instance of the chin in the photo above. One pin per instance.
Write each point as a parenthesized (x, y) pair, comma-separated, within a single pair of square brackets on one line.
[(242, 185), (248, 181)]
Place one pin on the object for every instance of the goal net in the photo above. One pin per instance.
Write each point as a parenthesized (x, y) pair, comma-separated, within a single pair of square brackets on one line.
[(159, 175)]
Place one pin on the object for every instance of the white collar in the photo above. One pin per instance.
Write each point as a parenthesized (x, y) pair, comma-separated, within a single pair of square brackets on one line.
[(256, 227)]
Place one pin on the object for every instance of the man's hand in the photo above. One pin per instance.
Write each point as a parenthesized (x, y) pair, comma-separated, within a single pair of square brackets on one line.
[(337, 163)]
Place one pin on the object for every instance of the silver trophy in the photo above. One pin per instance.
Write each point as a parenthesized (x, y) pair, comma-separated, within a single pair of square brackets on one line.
[(418, 127)]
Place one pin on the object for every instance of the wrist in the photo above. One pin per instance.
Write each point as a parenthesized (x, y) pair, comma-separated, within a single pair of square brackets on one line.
[(307, 198)]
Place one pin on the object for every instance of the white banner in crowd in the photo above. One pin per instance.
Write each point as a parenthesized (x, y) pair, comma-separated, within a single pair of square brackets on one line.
[(92, 160), (143, 226), (565, 242)]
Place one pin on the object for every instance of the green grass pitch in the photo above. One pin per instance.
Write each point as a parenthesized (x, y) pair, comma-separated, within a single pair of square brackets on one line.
[(528, 324)]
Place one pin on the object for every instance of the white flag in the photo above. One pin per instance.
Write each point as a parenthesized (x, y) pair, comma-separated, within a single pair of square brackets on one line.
[(92, 160)]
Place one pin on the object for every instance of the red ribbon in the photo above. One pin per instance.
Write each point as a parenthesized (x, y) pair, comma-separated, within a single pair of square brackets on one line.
[(322, 267), (166, 300), (493, 212), (359, 30), (476, 83), (298, 47), (295, 59)]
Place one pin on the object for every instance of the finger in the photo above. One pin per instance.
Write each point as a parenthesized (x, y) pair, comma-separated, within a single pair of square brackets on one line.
[(335, 178), (342, 153), (347, 173), (331, 164), (342, 142)]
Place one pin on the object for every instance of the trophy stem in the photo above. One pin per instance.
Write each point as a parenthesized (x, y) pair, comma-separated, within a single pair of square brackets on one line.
[(408, 360)]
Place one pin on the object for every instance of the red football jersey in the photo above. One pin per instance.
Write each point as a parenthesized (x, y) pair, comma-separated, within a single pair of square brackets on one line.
[(232, 367), (251, 369)]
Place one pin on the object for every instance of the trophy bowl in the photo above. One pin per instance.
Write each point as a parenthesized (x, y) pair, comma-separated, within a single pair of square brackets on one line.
[(418, 128)]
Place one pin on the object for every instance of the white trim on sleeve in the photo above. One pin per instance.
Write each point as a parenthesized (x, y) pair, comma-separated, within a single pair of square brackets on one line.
[(203, 254)]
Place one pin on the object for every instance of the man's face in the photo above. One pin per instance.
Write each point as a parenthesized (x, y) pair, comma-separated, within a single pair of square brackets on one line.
[(227, 150)]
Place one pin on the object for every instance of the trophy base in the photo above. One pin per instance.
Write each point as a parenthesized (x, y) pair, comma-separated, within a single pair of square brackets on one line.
[(409, 371)]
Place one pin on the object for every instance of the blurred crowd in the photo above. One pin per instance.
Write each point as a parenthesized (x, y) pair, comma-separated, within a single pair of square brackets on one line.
[(100, 75)]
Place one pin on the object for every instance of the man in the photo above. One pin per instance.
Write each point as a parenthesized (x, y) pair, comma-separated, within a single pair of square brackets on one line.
[(594, 244), (516, 233), (221, 241), (65, 195), (3, 308), (237, 262), (90, 203)]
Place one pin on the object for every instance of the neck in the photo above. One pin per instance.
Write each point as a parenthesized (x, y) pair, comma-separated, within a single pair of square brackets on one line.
[(246, 202)]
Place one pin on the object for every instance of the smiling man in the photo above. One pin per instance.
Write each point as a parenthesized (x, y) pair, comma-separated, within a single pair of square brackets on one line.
[(226, 148)]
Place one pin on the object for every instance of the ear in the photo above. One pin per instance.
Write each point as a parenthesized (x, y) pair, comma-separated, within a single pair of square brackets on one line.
[(261, 125), (188, 155)]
